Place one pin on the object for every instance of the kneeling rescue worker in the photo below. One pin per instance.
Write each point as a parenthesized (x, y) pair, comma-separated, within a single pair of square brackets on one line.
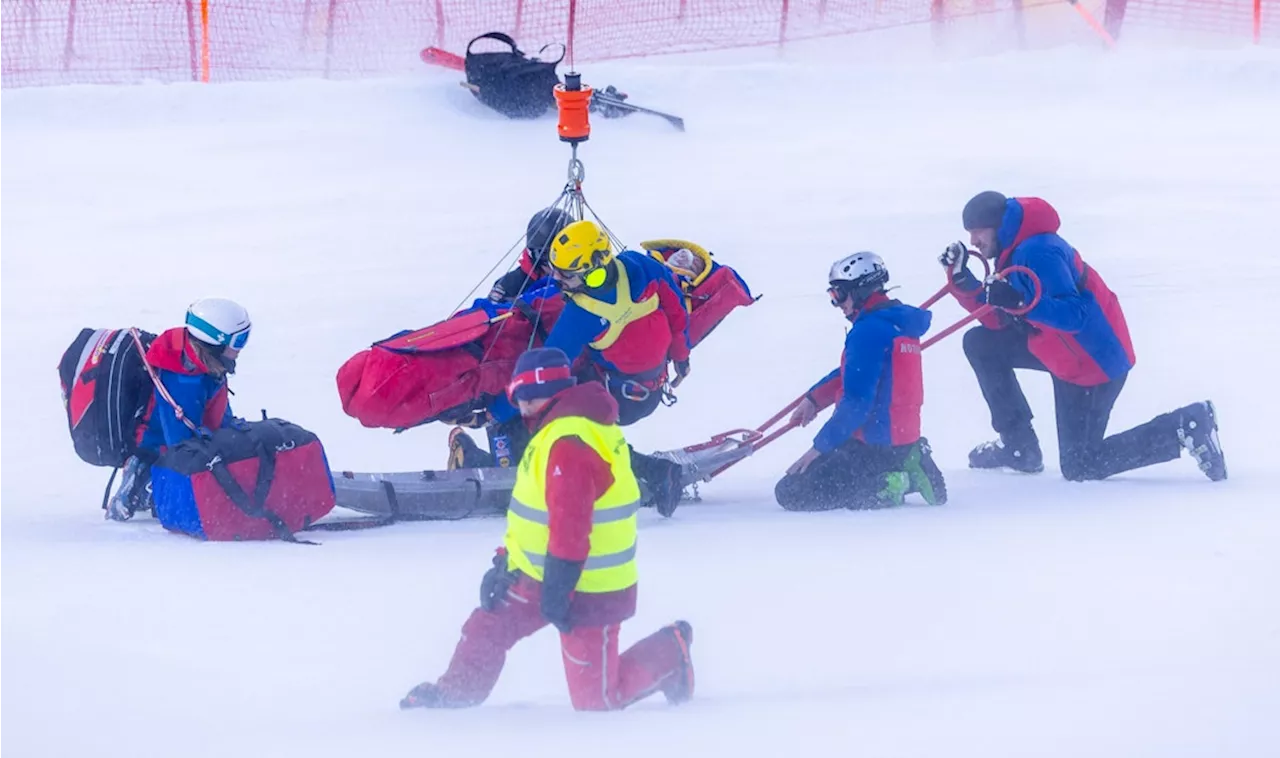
[(870, 453), (568, 558)]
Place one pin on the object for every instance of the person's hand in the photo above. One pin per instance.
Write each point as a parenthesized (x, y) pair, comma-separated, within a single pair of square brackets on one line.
[(1001, 294), (805, 412), (806, 460), (954, 260)]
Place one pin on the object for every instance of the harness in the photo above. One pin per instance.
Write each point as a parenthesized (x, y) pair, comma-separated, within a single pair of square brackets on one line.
[(618, 315)]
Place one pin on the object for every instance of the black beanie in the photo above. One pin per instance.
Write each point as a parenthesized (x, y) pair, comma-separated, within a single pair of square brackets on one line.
[(984, 211)]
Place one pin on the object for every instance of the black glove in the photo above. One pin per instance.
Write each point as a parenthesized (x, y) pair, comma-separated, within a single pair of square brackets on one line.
[(682, 370), (559, 579), (1001, 294), (497, 581)]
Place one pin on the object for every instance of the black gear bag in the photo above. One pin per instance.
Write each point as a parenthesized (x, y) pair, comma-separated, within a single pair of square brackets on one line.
[(105, 390), (511, 82)]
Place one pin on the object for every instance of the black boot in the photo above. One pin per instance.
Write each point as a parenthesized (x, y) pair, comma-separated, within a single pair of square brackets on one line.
[(662, 477), (1019, 451), (1198, 433), (465, 453)]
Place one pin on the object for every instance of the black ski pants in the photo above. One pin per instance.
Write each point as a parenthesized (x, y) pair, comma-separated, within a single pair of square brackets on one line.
[(847, 477), (1084, 451)]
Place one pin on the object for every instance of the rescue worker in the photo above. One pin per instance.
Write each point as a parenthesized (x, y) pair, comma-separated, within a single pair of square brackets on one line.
[(623, 320), (192, 362), (869, 454), (568, 559), (534, 265), (1077, 333)]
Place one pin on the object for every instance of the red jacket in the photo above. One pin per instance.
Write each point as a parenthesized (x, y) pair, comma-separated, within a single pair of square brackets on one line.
[(577, 478)]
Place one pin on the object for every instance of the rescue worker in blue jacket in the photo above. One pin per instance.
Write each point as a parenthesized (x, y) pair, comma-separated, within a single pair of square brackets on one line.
[(869, 454)]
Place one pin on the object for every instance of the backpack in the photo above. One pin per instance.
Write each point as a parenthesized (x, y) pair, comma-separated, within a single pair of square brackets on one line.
[(105, 390), (509, 81)]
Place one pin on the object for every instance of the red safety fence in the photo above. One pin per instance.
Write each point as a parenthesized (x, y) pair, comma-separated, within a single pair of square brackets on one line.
[(48, 42)]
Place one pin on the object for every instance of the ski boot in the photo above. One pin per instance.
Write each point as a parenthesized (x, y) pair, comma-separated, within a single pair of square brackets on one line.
[(426, 695), (663, 478), (680, 689), (134, 493), (925, 476), (1198, 433), (896, 486), (1018, 452), (465, 453)]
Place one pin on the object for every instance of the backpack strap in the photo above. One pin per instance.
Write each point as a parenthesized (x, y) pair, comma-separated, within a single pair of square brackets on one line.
[(500, 37), (563, 51), (164, 391), (255, 508)]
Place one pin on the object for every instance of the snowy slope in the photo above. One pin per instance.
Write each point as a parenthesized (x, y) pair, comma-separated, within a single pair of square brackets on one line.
[(1029, 616)]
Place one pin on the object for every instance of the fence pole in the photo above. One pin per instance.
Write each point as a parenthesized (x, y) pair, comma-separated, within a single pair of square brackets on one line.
[(69, 50), (191, 40), (328, 39), (306, 27), (1257, 22), (782, 24), (519, 19), (204, 41), (440, 24)]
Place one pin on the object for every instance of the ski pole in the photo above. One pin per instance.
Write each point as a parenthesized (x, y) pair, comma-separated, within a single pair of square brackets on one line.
[(604, 99), (986, 309)]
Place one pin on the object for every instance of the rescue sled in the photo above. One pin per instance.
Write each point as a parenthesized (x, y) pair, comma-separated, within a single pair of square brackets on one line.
[(476, 492)]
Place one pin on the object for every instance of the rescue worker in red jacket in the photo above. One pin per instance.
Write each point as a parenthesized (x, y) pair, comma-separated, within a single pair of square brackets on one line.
[(1077, 333), (568, 559), (869, 454)]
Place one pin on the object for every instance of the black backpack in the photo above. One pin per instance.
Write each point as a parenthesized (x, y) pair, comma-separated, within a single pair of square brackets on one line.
[(106, 390), (509, 81)]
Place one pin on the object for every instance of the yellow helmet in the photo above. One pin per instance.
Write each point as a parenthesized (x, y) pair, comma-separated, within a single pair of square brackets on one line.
[(580, 247)]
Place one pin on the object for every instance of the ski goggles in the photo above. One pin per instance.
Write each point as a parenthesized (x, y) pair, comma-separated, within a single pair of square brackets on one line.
[(226, 340), (838, 294)]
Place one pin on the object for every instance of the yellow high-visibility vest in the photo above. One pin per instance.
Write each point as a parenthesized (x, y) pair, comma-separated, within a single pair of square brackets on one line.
[(611, 564), (618, 314)]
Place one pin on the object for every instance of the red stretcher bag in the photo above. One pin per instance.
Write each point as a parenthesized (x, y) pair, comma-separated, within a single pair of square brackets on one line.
[(250, 481)]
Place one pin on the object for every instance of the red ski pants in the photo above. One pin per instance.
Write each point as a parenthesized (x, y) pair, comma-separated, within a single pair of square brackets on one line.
[(599, 678)]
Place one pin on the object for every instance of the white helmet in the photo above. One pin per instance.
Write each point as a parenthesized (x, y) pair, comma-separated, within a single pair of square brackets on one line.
[(859, 274), (219, 322)]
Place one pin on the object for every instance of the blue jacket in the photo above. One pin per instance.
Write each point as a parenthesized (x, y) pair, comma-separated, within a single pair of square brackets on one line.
[(1080, 334), (201, 395), (878, 390)]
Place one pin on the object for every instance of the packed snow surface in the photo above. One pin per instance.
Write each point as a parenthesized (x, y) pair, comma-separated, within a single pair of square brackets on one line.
[(1027, 617)]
